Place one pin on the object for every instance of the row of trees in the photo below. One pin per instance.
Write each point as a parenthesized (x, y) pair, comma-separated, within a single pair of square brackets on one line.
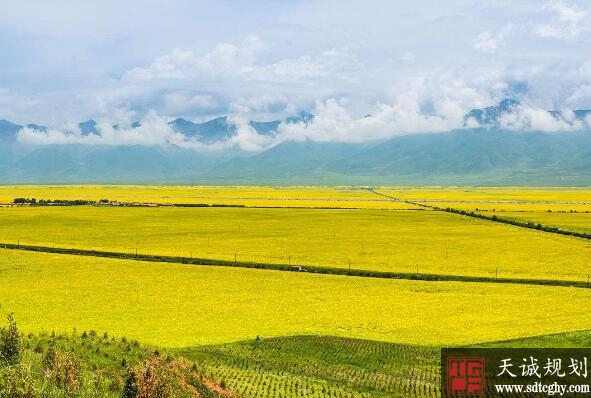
[(57, 202), (524, 224)]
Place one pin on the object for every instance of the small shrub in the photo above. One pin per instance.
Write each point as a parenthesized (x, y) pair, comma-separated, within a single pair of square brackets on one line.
[(10, 344), (130, 388), (151, 379), (16, 382), (116, 383), (38, 347), (49, 357), (63, 369)]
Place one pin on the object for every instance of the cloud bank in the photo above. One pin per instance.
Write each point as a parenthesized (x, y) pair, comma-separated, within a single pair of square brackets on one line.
[(368, 71), (566, 21), (153, 130), (332, 123)]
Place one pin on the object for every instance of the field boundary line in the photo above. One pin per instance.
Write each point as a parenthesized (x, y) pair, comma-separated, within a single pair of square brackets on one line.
[(312, 269), (494, 218)]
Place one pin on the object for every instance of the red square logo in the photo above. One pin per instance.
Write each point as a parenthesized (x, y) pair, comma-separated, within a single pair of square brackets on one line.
[(465, 376)]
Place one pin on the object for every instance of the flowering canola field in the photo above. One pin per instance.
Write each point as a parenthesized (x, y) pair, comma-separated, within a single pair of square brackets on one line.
[(400, 241), (178, 305), (305, 197)]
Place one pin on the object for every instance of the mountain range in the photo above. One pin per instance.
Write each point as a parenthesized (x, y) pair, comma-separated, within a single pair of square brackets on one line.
[(482, 153)]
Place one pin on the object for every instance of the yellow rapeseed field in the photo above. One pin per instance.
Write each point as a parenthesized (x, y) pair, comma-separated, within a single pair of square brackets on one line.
[(341, 197), (500, 207), (403, 241), (497, 199), (524, 194), (179, 305), (579, 222)]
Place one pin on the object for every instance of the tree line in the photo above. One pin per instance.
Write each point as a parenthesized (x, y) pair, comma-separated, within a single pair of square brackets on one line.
[(57, 202), (524, 224)]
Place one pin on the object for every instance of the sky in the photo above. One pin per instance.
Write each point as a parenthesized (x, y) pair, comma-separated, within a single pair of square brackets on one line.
[(412, 66)]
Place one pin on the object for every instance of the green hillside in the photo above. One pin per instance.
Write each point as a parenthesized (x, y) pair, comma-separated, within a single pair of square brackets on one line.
[(92, 364)]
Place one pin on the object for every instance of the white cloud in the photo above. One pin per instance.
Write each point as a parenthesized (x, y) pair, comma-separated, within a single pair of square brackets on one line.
[(567, 22), (333, 122), (153, 130), (246, 137), (231, 61), (489, 42), (408, 57), (184, 64), (185, 103), (176, 60), (580, 95), (423, 105), (485, 42), (526, 118), (430, 104), (193, 84), (405, 94)]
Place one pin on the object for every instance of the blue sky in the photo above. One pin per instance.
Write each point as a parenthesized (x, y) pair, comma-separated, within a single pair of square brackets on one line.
[(428, 62)]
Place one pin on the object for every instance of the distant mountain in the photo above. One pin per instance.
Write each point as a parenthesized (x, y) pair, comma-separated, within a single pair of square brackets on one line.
[(304, 117), (88, 127), (474, 151), (36, 127), (209, 132), (286, 160), (76, 163), (219, 129), (8, 130), (578, 114), (469, 156), (491, 115), (486, 155)]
